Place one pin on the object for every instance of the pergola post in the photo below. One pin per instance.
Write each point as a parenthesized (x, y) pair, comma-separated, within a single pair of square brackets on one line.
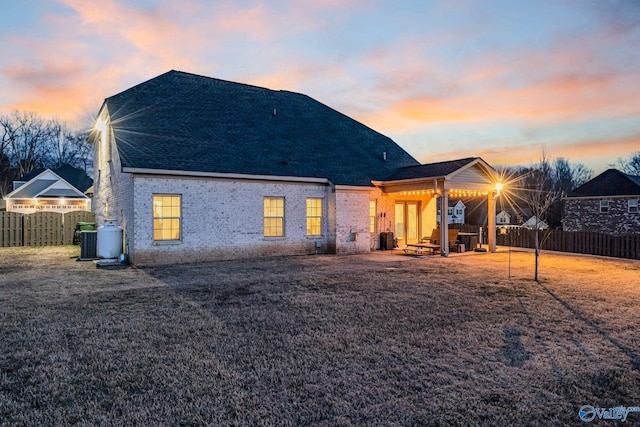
[(444, 223), (491, 230)]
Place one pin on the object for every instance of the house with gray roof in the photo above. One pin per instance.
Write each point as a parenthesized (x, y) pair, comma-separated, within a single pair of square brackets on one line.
[(197, 168), (62, 189), (608, 203)]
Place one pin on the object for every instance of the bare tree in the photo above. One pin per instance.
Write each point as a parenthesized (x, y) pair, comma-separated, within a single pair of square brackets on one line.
[(565, 177), (6, 173), (568, 176), (68, 147), (540, 193), (28, 142), (631, 165), (28, 136)]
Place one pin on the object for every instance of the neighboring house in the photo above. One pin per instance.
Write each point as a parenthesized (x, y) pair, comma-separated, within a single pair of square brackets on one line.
[(456, 212), (533, 223), (196, 168), (608, 204), (503, 218), (519, 217), (59, 190)]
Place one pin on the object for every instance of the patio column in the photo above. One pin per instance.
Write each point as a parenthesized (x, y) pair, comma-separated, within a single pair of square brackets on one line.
[(444, 223), (491, 229)]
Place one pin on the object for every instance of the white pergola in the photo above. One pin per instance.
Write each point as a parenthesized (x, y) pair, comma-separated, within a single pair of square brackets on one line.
[(460, 178)]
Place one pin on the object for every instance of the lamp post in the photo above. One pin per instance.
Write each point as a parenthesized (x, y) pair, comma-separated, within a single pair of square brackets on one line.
[(503, 231)]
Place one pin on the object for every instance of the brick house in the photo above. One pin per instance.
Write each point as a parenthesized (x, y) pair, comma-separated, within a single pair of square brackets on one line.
[(608, 204), (197, 168)]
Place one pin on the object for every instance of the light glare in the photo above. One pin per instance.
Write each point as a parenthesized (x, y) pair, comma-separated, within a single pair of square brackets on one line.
[(101, 124)]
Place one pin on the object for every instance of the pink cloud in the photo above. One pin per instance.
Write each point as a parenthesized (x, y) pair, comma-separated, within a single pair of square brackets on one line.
[(594, 153), (47, 75), (552, 98), (156, 32), (563, 83)]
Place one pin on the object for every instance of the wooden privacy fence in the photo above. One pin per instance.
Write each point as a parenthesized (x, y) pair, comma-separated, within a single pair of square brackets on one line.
[(40, 228), (11, 223), (581, 242)]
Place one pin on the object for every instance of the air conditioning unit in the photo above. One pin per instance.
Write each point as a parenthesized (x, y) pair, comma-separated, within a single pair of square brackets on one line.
[(88, 245)]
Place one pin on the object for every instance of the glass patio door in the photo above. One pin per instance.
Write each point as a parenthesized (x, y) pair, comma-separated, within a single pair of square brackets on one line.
[(407, 222)]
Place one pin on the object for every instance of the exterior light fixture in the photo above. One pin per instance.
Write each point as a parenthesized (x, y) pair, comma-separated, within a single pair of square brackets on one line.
[(100, 124)]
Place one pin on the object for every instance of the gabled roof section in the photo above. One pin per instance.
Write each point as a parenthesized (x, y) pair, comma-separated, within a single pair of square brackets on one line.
[(611, 182), (74, 176), (185, 122), (454, 202), (430, 170), (47, 184), (31, 189)]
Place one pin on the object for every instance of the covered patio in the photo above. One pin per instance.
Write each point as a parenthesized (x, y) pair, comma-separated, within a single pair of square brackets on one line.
[(415, 200)]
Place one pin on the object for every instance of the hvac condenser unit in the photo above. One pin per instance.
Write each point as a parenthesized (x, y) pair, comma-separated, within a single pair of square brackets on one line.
[(88, 245)]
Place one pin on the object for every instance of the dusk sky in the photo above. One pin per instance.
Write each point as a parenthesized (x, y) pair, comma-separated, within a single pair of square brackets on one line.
[(444, 79)]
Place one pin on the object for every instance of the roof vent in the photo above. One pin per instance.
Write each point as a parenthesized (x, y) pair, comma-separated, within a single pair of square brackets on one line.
[(274, 112), (384, 155)]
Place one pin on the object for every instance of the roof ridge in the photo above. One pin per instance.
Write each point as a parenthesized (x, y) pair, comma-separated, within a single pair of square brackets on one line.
[(193, 75), (466, 160)]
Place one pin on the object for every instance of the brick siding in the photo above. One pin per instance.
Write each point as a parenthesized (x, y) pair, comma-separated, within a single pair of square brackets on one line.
[(223, 219), (584, 215), (113, 190), (352, 222)]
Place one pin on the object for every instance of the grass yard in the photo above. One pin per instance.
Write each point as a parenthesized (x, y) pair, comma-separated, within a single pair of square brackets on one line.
[(320, 340)]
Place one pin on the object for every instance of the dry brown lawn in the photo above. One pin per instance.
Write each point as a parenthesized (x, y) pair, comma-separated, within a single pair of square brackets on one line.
[(374, 339)]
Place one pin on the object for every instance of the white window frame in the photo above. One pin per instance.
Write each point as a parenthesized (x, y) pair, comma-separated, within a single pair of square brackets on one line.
[(604, 206), (163, 218), (270, 213), (373, 215), (632, 206), (314, 217)]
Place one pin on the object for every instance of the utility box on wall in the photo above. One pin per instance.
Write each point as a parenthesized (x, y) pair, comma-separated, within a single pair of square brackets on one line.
[(386, 241)]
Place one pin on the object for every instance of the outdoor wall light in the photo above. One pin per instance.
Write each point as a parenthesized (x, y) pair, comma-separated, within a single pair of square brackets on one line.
[(101, 124)]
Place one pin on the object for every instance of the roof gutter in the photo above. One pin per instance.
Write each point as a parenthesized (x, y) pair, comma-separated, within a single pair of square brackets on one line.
[(627, 196), (407, 181), (220, 175)]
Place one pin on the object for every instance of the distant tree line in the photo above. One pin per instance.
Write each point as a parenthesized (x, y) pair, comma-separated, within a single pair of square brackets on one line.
[(551, 180), (630, 165), (540, 187), (29, 141)]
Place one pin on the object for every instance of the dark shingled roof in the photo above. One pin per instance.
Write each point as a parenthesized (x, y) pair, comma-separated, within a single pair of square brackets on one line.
[(74, 176), (430, 170), (611, 182), (186, 122)]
